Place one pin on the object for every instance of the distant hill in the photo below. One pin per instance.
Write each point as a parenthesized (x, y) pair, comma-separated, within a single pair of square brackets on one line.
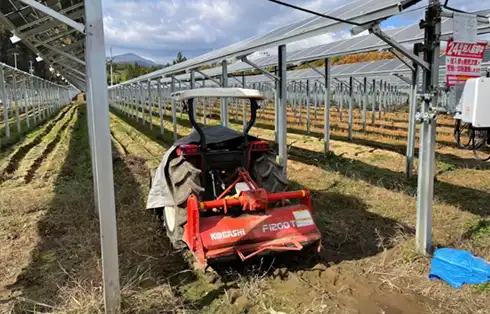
[(131, 58)]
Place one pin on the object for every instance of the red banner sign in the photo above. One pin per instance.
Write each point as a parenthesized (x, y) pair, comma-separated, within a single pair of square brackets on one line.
[(463, 61)]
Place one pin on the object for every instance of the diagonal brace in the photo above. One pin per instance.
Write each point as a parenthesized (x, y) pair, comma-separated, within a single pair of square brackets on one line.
[(376, 30), (266, 73), (395, 53), (316, 70), (208, 77)]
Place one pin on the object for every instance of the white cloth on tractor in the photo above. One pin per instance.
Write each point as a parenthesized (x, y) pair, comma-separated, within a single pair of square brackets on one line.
[(160, 195)]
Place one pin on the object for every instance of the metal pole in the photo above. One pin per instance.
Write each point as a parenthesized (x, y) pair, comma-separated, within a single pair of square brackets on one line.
[(412, 107), (16, 101), (160, 109), (174, 109), (150, 100), (341, 117), (276, 104), (364, 105), (373, 102), (315, 95), (112, 80), (98, 115), (282, 96), (224, 101), (206, 100), (351, 105), (143, 103), (326, 114), (308, 121), (32, 101), (425, 188), (193, 85), (244, 108), (136, 103), (39, 101), (15, 59), (26, 103), (3, 96), (380, 102), (300, 103)]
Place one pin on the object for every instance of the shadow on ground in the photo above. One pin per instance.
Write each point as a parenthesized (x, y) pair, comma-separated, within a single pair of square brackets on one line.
[(467, 199), (65, 265), (455, 161)]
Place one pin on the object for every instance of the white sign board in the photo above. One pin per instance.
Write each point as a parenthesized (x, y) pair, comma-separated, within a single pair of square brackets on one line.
[(464, 28), (463, 61)]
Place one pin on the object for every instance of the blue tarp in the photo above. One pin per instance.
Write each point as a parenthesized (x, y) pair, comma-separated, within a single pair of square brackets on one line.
[(457, 267)]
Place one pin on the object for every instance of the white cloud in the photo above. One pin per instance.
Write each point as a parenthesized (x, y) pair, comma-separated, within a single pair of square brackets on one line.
[(159, 29)]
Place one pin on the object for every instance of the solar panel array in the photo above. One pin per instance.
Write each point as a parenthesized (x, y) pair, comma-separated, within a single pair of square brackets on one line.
[(379, 70), (406, 35), (46, 36)]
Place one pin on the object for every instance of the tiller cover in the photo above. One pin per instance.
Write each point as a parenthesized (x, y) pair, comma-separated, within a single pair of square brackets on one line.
[(265, 224)]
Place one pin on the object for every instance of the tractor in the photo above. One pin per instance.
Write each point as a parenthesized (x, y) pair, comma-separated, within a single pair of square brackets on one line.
[(221, 193)]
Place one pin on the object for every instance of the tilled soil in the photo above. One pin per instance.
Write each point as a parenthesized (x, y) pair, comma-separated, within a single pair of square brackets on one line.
[(364, 207)]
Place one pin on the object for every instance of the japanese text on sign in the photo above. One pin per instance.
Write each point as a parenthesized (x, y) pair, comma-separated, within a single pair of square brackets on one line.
[(463, 61)]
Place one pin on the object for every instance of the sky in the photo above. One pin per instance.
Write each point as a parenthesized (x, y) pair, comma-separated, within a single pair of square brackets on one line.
[(159, 29)]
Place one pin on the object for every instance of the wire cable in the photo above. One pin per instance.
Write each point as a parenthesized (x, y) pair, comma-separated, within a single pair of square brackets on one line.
[(315, 13)]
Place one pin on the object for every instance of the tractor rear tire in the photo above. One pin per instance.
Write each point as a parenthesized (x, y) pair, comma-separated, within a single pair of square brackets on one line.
[(175, 219), (186, 180), (269, 174)]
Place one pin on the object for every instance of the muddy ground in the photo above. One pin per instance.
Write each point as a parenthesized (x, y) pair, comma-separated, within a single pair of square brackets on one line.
[(364, 206)]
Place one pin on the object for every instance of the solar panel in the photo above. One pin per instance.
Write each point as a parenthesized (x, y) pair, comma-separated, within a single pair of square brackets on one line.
[(405, 35), (358, 11)]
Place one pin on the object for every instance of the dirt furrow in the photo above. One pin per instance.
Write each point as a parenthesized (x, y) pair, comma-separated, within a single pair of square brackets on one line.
[(22, 151), (49, 148)]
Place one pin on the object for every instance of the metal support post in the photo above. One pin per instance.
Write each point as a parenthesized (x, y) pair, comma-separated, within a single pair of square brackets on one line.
[(342, 96), (193, 85), (282, 96), (308, 121), (26, 102), (315, 95), (381, 96), (300, 103), (364, 105), (174, 109), (425, 188), (3, 96), (143, 103), (150, 101), (136, 103), (205, 101), (326, 114), (32, 100), (351, 106), (224, 101), (160, 109), (127, 103), (16, 101), (244, 107), (98, 116), (412, 128), (40, 101), (373, 102)]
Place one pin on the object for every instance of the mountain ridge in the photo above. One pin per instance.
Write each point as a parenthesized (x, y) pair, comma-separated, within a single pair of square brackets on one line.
[(131, 58)]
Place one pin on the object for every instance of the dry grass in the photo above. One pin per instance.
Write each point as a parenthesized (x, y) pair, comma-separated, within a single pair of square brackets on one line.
[(50, 255)]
